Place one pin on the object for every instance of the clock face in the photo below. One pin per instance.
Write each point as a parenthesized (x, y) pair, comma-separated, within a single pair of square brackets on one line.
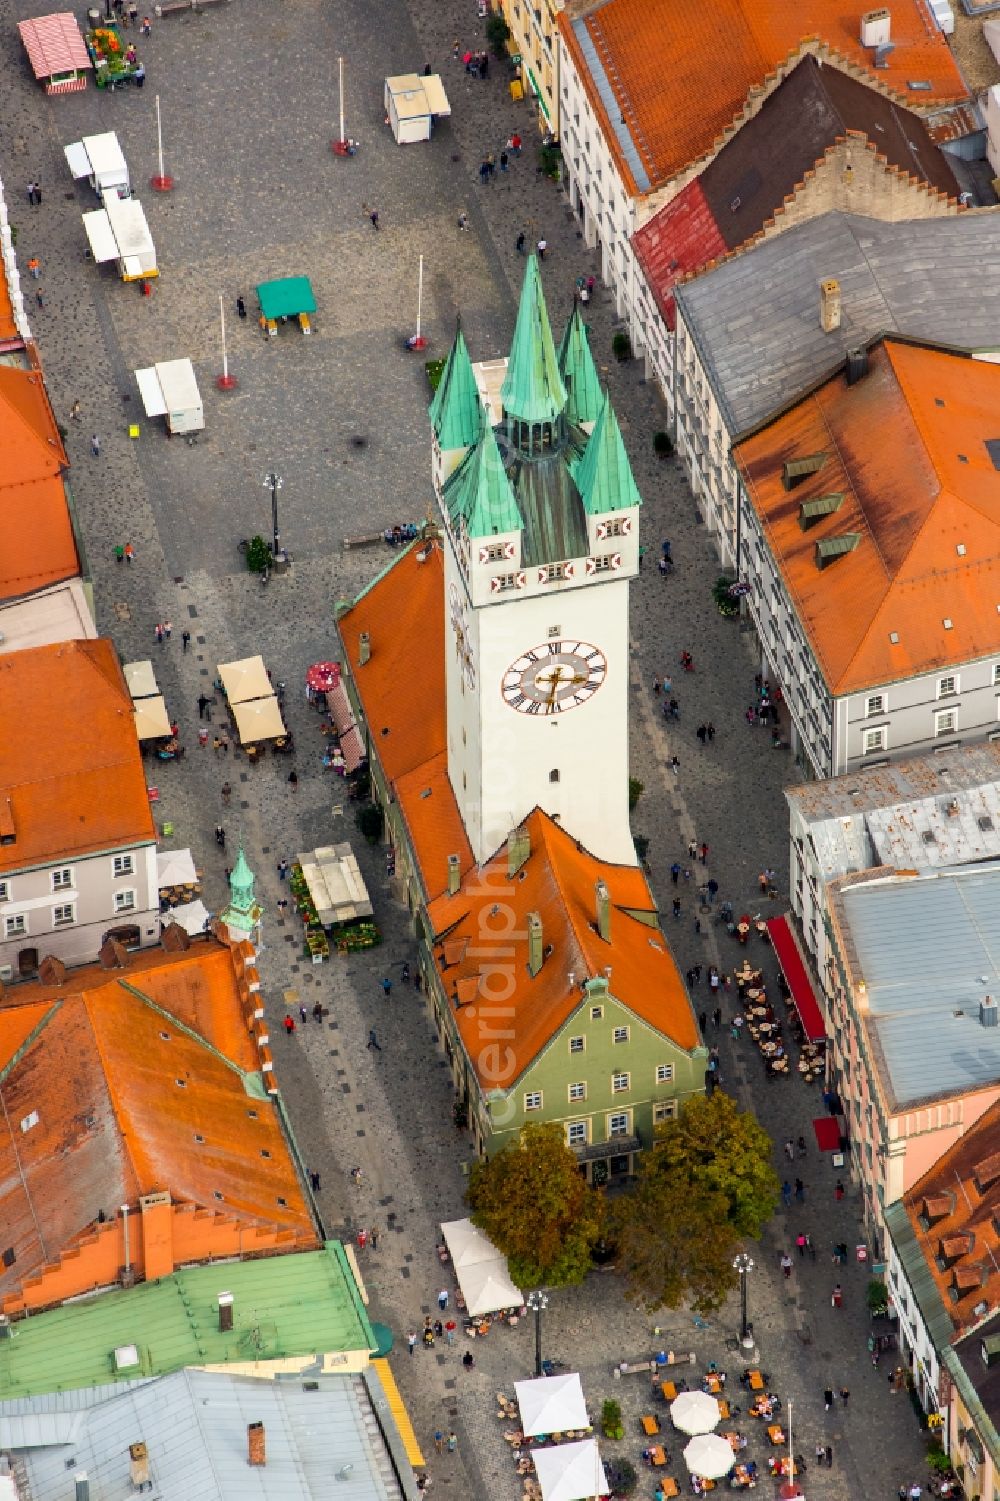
[(460, 625), (552, 678)]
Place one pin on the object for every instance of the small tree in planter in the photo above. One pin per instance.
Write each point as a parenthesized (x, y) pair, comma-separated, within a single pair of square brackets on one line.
[(497, 34), (662, 445), (622, 1477), (258, 554), (876, 1297), (635, 791), (611, 1419), (621, 347), (370, 820), (727, 604)]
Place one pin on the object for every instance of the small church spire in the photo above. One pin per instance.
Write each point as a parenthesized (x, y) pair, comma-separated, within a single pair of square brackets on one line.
[(480, 492), (579, 373), (456, 411), (533, 389), (604, 475), (243, 913)]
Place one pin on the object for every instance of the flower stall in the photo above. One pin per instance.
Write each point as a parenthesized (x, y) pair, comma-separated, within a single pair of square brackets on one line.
[(332, 900), (114, 61)]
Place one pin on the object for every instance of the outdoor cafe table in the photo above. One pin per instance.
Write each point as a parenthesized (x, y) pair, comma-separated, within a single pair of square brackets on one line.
[(776, 1435)]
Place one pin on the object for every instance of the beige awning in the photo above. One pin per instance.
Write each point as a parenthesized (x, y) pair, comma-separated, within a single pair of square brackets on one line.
[(245, 679), (151, 719), (141, 679), (437, 99), (335, 884), (258, 719)]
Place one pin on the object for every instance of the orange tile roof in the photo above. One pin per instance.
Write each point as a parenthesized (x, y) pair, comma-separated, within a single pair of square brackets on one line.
[(39, 547), (98, 1058), (960, 1196), (680, 72), (430, 812), (401, 686), (906, 446), (70, 772), (558, 882)]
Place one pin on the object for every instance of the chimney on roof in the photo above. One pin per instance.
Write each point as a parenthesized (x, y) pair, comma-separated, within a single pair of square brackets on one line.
[(876, 26), (829, 304), (454, 874), (364, 648), (256, 1453), (225, 1312), (138, 1465), (82, 1486), (857, 365), (518, 849), (535, 952), (988, 1012), (603, 911), (8, 833)]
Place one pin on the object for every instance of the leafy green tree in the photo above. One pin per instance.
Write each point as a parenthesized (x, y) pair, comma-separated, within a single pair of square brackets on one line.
[(537, 1208), (705, 1184)]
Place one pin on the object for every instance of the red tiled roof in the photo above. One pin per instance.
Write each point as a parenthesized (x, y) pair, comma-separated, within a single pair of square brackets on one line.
[(39, 547), (681, 239), (681, 71), (430, 812)]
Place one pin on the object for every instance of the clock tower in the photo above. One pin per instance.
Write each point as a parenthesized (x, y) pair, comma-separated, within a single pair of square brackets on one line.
[(540, 513)]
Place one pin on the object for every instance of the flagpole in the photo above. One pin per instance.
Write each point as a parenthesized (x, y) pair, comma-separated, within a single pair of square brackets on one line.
[(162, 182), (225, 381)]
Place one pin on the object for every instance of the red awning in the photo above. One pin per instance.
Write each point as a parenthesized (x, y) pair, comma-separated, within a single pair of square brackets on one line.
[(54, 45), (827, 1129), (794, 970)]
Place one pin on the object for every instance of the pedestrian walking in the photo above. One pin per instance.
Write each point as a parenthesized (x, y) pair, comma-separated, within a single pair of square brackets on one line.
[(675, 872), (717, 1017), (303, 1013), (786, 1264), (828, 1397), (542, 247), (439, 1441), (503, 161), (844, 1395), (800, 1191), (786, 1194), (677, 906), (800, 1241), (443, 1299), (203, 703), (452, 1440), (463, 221), (802, 1146), (519, 243), (314, 1182), (675, 766), (357, 1177), (120, 553), (837, 1296), (129, 553), (713, 889), (95, 446), (39, 298), (293, 780), (168, 629), (35, 267), (31, 192), (702, 1021), (289, 1025), (375, 1232), (468, 1360), (829, 1457), (703, 854), (810, 1248), (838, 1190), (710, 727), (185, 640), (373, 216), (701, 731), (789, 1149), (282, 870), (318, 1011), (146, 26), (387, 987), (75, 412), (373, 1041), (362, 1238), (220, 836), (411, 1340), (241, 307), (820, 1454)]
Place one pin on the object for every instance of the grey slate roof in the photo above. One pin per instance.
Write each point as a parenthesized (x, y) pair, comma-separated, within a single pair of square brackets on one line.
[(755, 319), (928, 948), (194, 1424), (885, 816)]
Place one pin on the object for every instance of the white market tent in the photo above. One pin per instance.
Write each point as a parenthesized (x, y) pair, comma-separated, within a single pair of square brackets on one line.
[(100, 159), (245, 679), (152, 722), (259, 719), (119, 232), (571, 1472), (175, 868), (551, 1404), (335, 884), (467, 1245), (140, 679), (192, 917), (411, 102), (169, 389), (487, 1288)]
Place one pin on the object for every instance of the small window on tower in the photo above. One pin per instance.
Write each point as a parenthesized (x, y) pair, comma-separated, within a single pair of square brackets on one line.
[(554, 774)]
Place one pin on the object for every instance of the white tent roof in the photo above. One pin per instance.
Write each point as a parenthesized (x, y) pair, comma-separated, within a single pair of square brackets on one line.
[(103, 245), (551, 1404), (192, 917), (258, 719), (335, 884), (152, 722), (571, 1472), (169, 386), (141, 679), (487, 1288), (467, 1244), (245, 679), (100, 155), (175, 868), (709, 1455)]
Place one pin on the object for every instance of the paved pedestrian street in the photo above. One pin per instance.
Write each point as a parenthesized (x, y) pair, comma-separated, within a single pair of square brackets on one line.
[(248, 92)]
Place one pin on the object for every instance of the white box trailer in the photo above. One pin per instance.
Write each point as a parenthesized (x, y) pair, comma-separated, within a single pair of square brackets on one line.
[(119, 232), (101, 161), (412, 102), (170, 390)]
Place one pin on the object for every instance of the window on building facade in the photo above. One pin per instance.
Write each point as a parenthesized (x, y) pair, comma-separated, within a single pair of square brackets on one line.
[(945, 722), (874, 740), (578, 1091), (15, 927), (996, 674), (621, 1034), (62, 878), (577, 1044), (874, 705), (124, 901), (4, 891), (619, 1083), (664, 1110), (619, 1124), (576, 1133), (664, 1073), (596, 1012), (123, 865), (947, 685), (533, 1099), (64, 916)]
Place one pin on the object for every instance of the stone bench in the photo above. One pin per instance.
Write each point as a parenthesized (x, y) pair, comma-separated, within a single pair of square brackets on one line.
[(168, 7), (350, 542)]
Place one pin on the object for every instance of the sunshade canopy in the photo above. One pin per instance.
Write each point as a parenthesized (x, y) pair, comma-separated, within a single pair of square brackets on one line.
[(571, 1472), (169, 387), (175, 868), (710, 1455), (335, 884), (794, 970), (487, 1288), (552, 1404), (54, 44), (259, 719), (140, 679), (286, 298), (245, 679), (322, 677), (467, 1245), (98, 156), (192, 917), (152, 721), (694, 1412)]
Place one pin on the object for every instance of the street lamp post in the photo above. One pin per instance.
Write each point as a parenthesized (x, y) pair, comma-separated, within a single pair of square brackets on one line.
[(538, 1302), (743, 1264), (273, 482)]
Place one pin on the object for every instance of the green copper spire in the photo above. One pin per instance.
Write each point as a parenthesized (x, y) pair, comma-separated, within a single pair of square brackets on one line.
[(604, 474), (456, 408), (579, 373), (480, 491), (533, 390), (244, 912)]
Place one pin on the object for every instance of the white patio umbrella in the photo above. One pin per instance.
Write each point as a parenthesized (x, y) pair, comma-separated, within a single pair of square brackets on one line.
[(571, 1472), (710, 1456), (694, 1412)]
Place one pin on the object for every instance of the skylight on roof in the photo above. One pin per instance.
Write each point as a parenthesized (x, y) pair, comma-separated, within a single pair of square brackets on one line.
[(832, 548), (894, 637), (918, 85), (993, 449), (795, 471)]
